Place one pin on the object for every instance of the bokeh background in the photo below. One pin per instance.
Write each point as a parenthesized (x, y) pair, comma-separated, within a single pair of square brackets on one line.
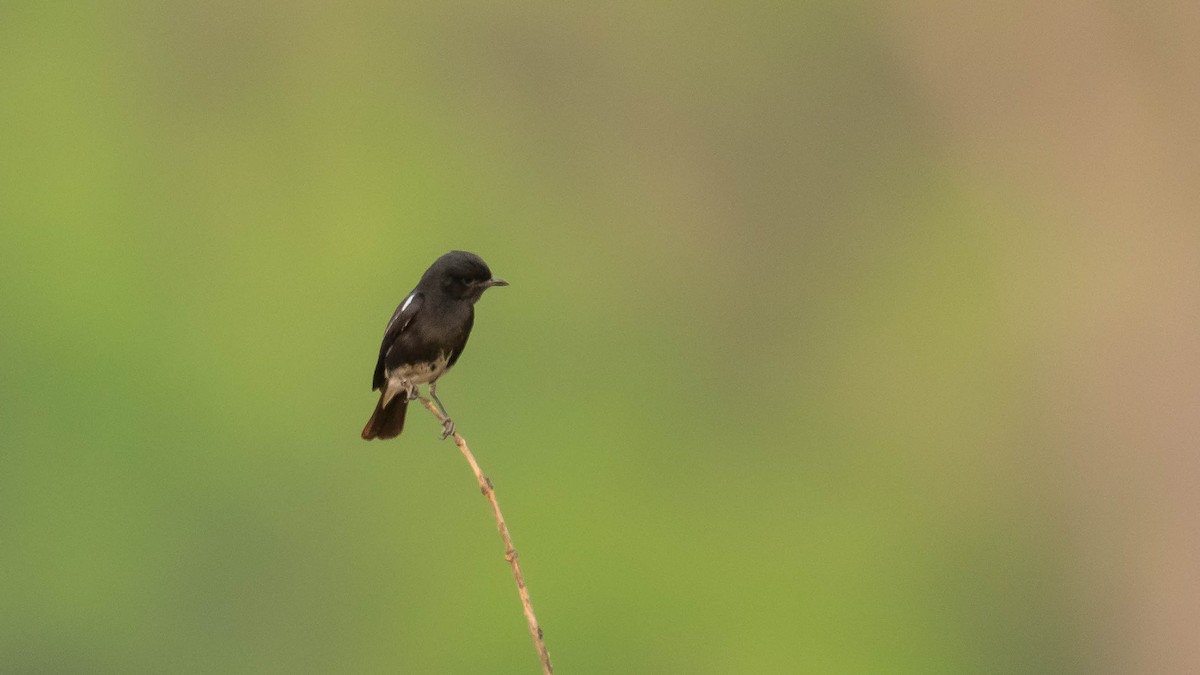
[(842, 337)]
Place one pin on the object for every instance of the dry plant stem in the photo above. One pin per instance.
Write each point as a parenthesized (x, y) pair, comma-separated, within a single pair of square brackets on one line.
[(510, 553)]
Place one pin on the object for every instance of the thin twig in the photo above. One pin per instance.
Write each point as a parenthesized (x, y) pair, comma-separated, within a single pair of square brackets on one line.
[(510, 553)]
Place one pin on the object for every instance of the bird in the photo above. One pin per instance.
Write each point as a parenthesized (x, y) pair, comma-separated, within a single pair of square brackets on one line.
[(424, 338)]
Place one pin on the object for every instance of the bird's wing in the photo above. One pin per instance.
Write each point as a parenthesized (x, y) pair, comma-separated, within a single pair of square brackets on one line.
[(404, 313), (400, 319)]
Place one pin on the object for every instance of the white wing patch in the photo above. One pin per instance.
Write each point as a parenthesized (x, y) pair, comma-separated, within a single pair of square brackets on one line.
[(400, 312)]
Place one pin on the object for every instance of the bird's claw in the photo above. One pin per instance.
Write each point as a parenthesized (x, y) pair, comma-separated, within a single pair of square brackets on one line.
[(447, 428)]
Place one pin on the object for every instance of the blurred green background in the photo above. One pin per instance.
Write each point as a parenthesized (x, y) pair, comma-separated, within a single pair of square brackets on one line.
[(842, 337)]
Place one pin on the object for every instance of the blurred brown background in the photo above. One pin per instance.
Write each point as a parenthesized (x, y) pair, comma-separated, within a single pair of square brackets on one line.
[(1086, 113)]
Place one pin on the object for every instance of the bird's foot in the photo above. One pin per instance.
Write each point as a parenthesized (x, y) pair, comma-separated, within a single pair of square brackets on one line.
[(410, 391), (447, 428)]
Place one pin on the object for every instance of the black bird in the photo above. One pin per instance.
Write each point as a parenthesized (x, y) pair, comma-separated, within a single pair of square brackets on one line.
[(425, 337)]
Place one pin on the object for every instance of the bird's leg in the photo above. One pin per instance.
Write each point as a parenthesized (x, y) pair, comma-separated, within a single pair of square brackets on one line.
[(403, 385), (447, 423), (433, 395)]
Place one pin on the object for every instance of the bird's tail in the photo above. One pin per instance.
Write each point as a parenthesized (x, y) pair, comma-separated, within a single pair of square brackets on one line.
[(386, 422)]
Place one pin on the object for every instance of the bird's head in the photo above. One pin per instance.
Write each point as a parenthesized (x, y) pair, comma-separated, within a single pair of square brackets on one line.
[(463, 275)]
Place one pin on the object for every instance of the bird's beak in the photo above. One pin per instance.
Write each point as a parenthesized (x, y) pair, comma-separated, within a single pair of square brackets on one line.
[(494, 282)]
